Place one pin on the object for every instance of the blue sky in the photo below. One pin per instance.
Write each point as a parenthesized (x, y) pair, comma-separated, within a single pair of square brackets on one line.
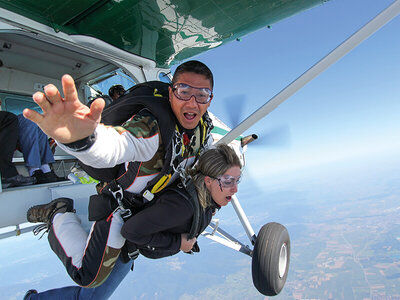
[(350, 110)]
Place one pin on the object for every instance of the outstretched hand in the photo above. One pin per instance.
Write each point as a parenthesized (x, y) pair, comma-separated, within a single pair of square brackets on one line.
[(65, 119)]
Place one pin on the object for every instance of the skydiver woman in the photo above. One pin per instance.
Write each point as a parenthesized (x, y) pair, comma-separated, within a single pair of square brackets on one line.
[(162, 229)]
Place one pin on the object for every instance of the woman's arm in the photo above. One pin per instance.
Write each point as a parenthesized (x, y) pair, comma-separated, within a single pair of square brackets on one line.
[(160, 226)]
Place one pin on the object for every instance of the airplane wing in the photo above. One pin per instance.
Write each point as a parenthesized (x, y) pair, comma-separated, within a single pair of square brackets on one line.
[(165, 31)]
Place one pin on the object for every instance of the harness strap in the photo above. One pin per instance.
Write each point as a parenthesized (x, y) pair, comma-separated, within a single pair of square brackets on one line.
[(162, 183), (194, 230), (162, 180), (193, 200), (172, 160), (203, 131), (118, 193)]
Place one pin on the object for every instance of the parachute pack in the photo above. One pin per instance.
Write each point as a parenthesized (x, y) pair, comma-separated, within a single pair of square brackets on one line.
[(152, 96)]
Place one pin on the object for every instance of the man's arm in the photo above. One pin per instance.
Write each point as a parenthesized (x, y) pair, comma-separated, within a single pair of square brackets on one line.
[(137, 140), (69, 121)]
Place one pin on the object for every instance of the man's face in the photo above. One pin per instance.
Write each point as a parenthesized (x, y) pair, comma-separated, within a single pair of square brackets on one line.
[(189, 112)]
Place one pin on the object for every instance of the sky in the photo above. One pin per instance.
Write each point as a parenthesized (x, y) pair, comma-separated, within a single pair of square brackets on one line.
[(350, 112)]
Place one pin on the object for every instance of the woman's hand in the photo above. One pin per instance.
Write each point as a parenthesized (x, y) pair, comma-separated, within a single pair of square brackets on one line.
[(187, 245), (65, 119)]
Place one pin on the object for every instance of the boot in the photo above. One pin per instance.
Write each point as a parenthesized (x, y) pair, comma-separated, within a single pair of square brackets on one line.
[(29, 293), (17, 180), (46, 177), (45, 213)]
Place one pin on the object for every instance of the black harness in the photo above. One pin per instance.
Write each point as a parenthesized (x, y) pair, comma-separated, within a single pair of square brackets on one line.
[(152, 96)]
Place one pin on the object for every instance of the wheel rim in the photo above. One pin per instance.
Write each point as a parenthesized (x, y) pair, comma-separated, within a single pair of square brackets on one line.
[(282, 260)]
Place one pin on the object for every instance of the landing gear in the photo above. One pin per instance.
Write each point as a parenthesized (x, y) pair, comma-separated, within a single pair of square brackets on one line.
[(271, 256)]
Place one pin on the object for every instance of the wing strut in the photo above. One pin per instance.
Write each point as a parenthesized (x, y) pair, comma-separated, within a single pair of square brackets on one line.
[(243, 219), (380, 20)]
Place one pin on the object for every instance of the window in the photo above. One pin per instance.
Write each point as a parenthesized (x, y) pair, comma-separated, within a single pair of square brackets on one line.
[(106, 81), (17, 103)]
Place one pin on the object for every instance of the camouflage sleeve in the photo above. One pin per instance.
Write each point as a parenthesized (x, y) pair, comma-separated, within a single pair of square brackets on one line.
[(136, 140), (141, 125)]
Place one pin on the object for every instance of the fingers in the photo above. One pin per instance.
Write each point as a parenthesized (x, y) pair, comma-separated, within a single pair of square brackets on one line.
[(69, 88), (32, 115), (52, 94), (96, 109), (41, 100)]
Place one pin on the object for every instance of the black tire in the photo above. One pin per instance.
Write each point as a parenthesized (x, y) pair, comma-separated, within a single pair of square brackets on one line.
[(271, 257)]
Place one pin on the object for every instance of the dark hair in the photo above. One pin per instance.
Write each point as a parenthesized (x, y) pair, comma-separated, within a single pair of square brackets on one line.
[(116, 88), (213, 162), (193, 66)]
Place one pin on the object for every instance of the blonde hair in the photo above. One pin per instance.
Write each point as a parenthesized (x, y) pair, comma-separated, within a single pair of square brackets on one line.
[(212, 163)]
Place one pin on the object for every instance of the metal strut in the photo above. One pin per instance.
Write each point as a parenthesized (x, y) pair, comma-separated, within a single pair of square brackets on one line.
[(243, 219), (380, 20), (228, 240)]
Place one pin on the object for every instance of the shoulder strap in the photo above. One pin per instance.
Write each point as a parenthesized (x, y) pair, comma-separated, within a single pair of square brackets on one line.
[(190, 194), (171, 162), (194, 230), (153, 96)]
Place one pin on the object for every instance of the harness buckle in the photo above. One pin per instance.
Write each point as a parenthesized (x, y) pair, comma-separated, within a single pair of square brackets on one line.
[(126, 213), (148, 195), (119, 195), (133, 255)]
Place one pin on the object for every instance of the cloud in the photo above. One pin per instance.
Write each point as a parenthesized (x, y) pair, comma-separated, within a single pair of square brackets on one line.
[(174, 264), (38, 277)]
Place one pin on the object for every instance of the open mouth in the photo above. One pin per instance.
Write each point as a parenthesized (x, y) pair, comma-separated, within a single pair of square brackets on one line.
[(190, 116), (228, 198)]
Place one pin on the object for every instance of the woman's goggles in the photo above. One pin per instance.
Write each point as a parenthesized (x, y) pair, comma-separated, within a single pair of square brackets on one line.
[(227, 181), (184, 92)]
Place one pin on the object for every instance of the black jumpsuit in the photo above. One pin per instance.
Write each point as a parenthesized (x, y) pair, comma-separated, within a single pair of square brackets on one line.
[(157, 230)]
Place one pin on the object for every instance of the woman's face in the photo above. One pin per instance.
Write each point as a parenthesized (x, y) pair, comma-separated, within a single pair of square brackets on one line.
[(220, 192)]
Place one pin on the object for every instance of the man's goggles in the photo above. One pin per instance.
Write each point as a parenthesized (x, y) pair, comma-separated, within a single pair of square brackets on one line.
[(184, 92), (227, 181)]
